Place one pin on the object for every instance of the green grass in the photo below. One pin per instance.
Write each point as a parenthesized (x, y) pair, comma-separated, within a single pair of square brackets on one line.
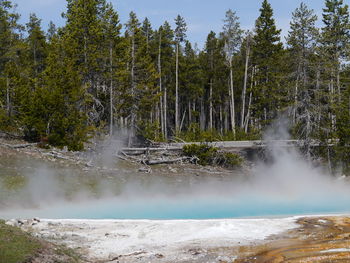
[(16, 246)]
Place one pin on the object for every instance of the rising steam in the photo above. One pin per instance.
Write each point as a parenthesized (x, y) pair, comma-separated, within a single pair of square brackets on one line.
[(289, 184)]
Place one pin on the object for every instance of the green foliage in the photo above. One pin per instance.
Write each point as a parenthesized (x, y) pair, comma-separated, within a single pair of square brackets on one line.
[(229, 160), (208, 155), (59, 86), (267, 58), (150, 131), (195, 134), (15, 245)]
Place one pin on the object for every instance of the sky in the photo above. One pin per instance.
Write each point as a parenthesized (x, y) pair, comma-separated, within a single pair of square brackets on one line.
[(201, 16)]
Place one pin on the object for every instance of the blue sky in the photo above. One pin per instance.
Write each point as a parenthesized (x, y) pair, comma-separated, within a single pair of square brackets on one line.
[(201, 15)]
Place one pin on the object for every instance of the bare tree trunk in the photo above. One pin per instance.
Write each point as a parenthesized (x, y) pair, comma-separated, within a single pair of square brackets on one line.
[(308, 132), (211, 91), (245, 82), (211, 105), (111, 91), (189, 114), (332, 93), (338, 86), (221, 121), (296, 91), (246, 122), (182, 120), (132, 72), (160, 84), (202, 116), (165, 114), (226, 116), (8, 101), (233, 120), (318, 74), (177, 90)]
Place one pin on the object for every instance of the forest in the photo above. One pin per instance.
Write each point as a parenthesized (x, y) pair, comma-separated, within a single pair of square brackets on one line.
[(96, 74)]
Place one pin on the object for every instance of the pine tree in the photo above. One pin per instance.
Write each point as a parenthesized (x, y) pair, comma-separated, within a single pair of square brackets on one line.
[(335, 46), (84, 44), (36, 41), (210, 63), (111, 33), (192, 86), (143, 81), (180, 35), (165, 56), (302, 41), (233, 36), (10, 64), (267, 53)]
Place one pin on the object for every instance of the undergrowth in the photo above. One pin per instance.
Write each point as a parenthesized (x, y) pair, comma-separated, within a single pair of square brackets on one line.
[(209, 155)]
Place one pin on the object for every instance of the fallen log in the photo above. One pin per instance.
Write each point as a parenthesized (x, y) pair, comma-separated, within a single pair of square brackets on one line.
[(139, 151), (154, 162), (18, 146)]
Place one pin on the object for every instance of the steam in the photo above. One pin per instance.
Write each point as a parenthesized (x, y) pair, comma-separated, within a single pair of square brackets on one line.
[(288, 184)]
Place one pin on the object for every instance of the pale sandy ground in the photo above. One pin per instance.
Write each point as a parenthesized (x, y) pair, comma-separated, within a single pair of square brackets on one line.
[(159, 241)]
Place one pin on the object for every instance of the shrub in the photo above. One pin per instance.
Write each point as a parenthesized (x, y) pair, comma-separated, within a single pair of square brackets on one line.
[(209, 155), (206, 154)]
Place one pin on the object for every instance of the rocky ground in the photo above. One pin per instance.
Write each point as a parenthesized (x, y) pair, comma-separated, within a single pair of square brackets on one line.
[(156, 241), (295, 239)]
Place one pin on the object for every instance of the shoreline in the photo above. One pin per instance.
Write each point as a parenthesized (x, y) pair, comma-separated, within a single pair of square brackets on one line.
[(311, 237), (175, 240)]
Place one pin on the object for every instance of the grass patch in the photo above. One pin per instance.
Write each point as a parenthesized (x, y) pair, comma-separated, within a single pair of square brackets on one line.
[(209, 155), (68, 252), (16, 246)]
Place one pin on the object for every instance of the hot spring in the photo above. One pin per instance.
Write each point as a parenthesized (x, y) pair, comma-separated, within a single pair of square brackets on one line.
[(287, 186)]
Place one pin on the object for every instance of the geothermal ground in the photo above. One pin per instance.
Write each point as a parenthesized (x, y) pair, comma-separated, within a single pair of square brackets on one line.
[(36, 182), (293, 239)]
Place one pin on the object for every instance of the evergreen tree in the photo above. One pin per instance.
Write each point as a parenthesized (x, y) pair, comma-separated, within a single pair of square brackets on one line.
[(111, 33), (143, 80), (164, 40), (83, 41), (10, 63), (191, 83), (36, 41), (335, 46), (267, 53), (180, 35), (302, 41), (233, 36)]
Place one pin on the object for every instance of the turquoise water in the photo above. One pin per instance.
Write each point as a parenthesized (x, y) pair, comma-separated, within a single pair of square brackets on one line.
[(56, 192), (188, 209)]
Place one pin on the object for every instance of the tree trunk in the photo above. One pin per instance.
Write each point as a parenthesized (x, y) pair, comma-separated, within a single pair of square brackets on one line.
[(160, 84), (202, 116), (189, 114), (8, 101), (165, 114), (247, 118), (245, 82), (211, 105), (226, 116), (233, 120), (296, 92), (182, 120), (221, 121), (111, 91), (177, 90), (132, 72)]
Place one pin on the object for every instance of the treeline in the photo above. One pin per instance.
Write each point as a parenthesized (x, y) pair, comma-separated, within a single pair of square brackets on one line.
[(96, 73)]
